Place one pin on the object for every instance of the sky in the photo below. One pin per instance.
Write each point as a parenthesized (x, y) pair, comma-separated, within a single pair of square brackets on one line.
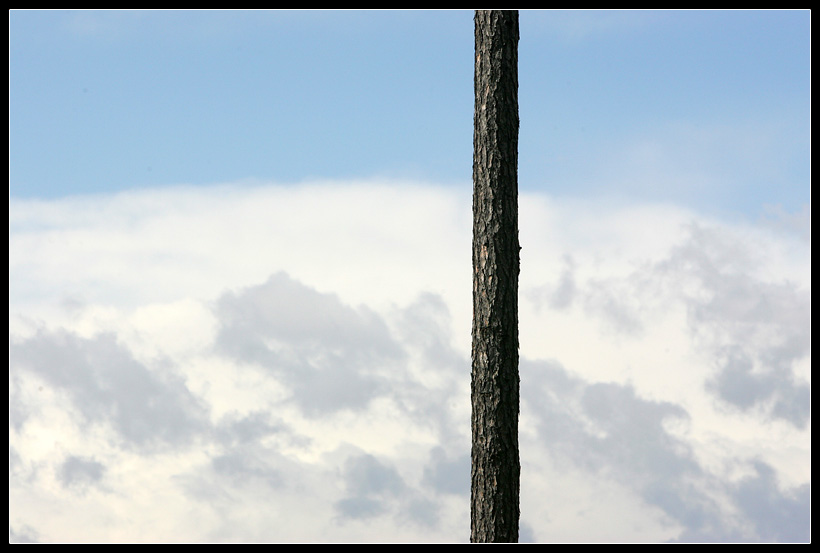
[(239, 276)]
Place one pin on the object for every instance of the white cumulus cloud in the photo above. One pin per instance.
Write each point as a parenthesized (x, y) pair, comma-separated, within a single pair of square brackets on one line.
[(290, 363)]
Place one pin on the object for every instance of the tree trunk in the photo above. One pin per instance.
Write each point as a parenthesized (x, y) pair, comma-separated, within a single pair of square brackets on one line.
[(495, 463)]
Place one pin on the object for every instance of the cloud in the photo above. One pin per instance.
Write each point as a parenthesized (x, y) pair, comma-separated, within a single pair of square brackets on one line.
[(758, 330), (22, 535), (146, 406), (448, 475), (606, 426), (80, 472), (777, 516), (368, 483), (610, 432), (329, 354), (268, 363)]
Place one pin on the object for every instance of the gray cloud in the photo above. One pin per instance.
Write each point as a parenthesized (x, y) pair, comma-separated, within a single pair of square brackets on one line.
[(604, 425), (772, 389), (373, 487), (777, 515), (525, 533), (424, 328), (80, 472), (360, 507), (768, 513), (560, 295), (757, 330), (146, 406), (366, 475), (18, 410), (235, 430), (446, 474), (425, 325), (607, 428), (247, 464), (751, 329), (22, 534), (564, 293), (370, 486), (331, 355)]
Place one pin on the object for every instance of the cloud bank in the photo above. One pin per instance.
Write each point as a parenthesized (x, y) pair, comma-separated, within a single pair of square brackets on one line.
[(274, 363)]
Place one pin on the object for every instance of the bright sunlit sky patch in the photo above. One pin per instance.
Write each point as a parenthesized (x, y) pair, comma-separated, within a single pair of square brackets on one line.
[(239, 276)]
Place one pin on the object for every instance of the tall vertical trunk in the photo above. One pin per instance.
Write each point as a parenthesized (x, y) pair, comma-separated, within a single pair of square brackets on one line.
[(495, 463)]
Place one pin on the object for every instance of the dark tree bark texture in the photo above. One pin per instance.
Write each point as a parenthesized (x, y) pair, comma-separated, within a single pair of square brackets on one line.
[(495, 384)]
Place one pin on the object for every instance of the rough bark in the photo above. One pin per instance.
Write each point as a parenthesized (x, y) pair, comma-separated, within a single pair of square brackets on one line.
[(495, 383)]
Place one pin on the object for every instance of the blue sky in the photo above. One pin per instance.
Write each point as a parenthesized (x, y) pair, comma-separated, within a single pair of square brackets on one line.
[(240, 283), (103, 101)]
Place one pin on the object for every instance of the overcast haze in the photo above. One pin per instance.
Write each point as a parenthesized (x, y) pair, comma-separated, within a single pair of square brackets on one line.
[(240, 286)]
